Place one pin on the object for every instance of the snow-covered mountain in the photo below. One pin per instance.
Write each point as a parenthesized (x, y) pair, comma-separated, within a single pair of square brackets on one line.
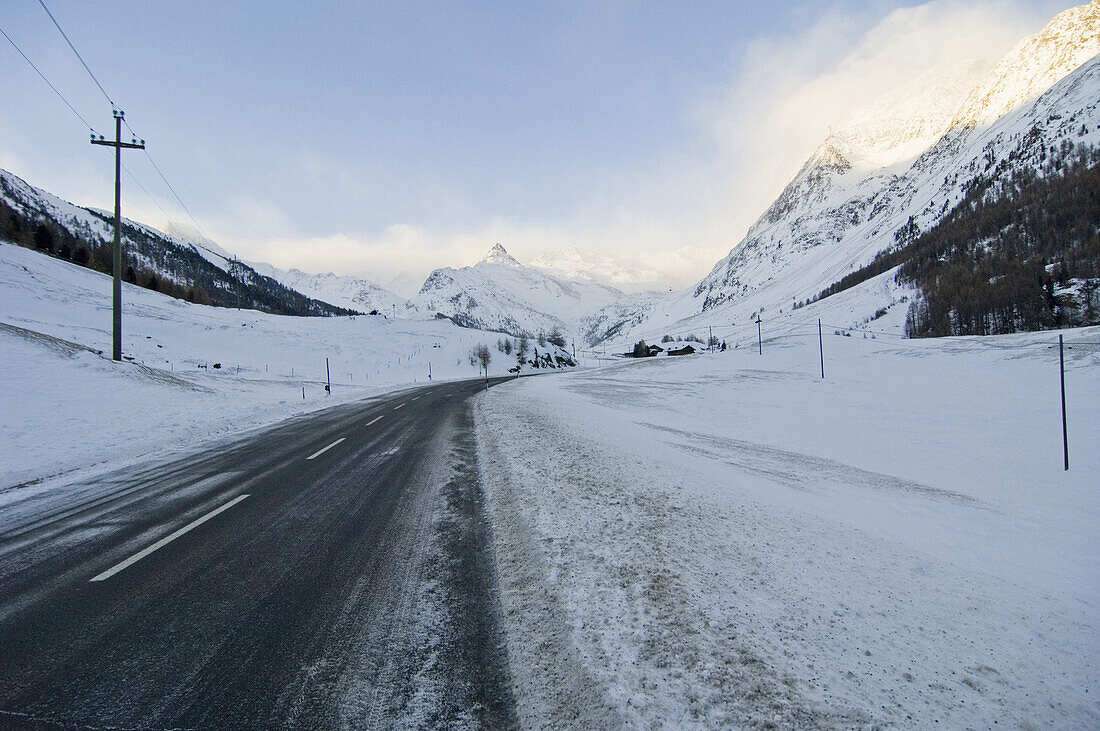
[(173, 263), (352, 293), (499, 293), (896, 169), (626, 273)]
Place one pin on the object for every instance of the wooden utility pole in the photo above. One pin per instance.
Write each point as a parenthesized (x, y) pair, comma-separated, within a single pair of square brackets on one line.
[(118, 144)]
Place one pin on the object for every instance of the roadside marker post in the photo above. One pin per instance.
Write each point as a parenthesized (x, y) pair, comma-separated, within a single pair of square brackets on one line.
[(820, 348), (1062, 376)]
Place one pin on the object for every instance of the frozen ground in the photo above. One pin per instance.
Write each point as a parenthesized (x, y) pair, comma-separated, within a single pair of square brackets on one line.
[(67, 410), (730, 540)]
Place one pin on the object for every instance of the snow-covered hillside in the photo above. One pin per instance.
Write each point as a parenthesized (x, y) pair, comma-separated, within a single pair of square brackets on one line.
[(192, 372), (183, 264), (498, 293), (352, 293), (895, 170), (98, 224)]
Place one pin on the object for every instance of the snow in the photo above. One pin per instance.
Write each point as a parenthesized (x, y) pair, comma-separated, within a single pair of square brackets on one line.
[(69, 409), (627, 271), (1035, 64), (731, 540)]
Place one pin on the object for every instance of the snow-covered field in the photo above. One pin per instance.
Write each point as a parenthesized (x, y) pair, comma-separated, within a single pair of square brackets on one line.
[(66, 410), (730, 540)]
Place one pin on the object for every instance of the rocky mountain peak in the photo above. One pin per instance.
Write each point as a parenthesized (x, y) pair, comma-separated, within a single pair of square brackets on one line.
[(499, 255), (1035, 65)]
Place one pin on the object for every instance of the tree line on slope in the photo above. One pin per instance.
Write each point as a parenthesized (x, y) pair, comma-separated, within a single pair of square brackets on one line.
[(151, 261), (1018, 254)]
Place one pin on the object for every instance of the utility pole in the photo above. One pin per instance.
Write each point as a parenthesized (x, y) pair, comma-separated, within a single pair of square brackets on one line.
[(759, 342), (710, 339), (118, 144)]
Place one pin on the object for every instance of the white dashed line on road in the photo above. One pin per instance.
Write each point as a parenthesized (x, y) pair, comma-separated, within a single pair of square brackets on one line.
[(166, 540), (319, 452)]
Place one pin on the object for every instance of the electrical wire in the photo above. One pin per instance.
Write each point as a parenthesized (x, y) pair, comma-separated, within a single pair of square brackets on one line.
[(147, 193), (174, 194), (48, 83), (115, 107), (81, 58)]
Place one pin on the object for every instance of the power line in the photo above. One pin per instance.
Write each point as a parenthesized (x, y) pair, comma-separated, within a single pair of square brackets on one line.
[(124, 121), (178, 200), (143, 190), (48, 83), (81, 58), (79, 116)]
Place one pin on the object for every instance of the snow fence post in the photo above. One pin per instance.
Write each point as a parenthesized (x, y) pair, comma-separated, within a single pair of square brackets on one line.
[(820, 348), (1062, 374)]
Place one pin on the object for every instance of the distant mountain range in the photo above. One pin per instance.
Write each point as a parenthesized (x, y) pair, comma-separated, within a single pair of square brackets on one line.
[(352, 293)]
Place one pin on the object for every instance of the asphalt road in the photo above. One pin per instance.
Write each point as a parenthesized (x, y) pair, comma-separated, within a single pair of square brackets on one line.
[(352, 587)]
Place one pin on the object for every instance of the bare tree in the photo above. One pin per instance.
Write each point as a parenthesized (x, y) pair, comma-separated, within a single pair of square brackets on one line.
[(483, 356)]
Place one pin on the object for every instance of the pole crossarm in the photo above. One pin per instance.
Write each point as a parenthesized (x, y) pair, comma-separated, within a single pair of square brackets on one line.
[(111, 143)]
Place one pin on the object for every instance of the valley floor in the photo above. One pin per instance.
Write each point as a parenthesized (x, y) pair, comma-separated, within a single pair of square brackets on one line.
[(732, 540)]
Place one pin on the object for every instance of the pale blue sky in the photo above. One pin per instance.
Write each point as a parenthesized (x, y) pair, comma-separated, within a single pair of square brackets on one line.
[(375, 137)]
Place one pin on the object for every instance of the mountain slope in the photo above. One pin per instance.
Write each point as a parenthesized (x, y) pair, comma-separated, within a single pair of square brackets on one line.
[(170, 264), (861, 193), (352, 293)]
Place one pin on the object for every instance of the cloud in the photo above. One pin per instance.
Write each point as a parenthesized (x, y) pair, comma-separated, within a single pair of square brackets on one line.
[(788, 92), (680, 213)]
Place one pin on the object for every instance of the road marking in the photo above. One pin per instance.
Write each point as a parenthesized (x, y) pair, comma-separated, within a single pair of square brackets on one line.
[(373, 420), (395, 408), (319, 452), (415, 398), (166, 540)]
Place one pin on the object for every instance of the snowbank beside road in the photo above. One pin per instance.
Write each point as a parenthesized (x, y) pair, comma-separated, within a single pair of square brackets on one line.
[(731, 540)]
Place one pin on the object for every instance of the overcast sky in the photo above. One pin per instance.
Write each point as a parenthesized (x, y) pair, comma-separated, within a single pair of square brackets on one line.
[(379, 138)]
